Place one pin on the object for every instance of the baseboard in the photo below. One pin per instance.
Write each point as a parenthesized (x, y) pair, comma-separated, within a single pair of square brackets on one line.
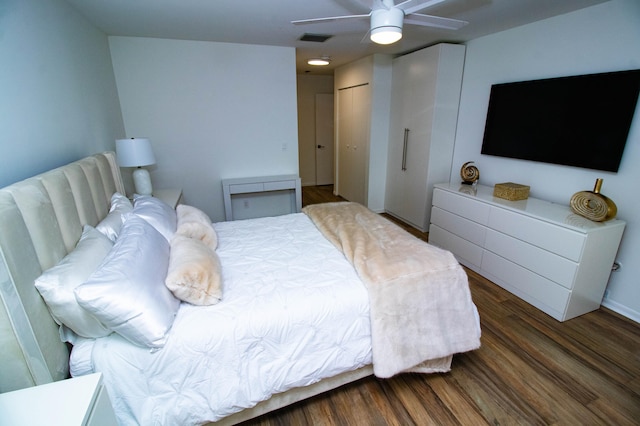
[(621, 309)]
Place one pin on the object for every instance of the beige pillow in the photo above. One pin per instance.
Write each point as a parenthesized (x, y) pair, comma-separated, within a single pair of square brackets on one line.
[(194, 274), (194, 223), (187, 213), (199, 231)]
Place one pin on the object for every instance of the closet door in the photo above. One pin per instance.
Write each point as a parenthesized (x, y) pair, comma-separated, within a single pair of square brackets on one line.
[(409, 140), (425, 95), (419, 105), (353, 142), (398, 134)]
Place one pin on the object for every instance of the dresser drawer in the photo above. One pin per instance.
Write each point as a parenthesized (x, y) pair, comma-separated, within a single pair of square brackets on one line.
[(533, 288), (468, 208), (467, 253), (556, 268), (556, 239), (459, 226)]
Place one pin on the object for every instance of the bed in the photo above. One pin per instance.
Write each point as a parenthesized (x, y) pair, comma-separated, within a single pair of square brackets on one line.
[(301, 303)]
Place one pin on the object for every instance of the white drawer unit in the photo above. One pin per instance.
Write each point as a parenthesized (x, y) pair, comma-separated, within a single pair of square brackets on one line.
[(540, 251)]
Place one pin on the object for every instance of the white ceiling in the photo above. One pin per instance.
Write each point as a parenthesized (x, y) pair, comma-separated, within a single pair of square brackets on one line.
[(268, 22)]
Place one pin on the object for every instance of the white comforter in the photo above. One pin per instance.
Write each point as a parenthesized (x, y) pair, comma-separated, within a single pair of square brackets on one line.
[(293, 312)]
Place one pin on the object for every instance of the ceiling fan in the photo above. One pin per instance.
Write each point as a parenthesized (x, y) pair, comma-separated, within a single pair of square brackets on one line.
[(387, 18)]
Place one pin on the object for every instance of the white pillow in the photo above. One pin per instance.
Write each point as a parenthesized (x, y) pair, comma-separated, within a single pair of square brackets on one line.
[(57, 284), (194, 274), (127, 292), (110, 225), (158, 213)]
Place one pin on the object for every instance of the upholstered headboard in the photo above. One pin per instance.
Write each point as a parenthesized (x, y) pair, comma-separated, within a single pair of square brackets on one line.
[(41, 220)]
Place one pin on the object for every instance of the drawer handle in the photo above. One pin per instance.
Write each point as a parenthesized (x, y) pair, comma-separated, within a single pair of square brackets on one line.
[(404, 149)]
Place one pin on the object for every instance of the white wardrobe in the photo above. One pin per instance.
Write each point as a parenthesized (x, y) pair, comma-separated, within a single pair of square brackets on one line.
[(425, 96)]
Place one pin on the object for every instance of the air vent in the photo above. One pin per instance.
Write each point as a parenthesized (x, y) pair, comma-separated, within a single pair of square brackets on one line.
[(316, 38)]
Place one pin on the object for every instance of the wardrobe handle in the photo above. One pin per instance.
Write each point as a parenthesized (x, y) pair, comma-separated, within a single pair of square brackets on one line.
[(404, 149)]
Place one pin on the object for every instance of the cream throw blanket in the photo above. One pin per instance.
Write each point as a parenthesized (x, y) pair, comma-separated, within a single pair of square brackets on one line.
[(420, 303)]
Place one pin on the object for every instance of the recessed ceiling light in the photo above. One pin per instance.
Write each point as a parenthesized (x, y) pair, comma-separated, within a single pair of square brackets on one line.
[(324, 60)]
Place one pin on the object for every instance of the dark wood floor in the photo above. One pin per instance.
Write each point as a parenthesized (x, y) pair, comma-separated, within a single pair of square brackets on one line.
[(530, 370)]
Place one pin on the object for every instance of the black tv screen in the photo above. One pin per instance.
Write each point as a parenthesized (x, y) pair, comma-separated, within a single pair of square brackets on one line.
[(580, 121)]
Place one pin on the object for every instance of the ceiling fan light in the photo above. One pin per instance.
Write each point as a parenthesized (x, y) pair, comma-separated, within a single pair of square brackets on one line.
[(319, 61), (386, 35), (386, 25)]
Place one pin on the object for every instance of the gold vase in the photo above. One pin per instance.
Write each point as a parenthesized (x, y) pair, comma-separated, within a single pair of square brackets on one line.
[(593, 205)]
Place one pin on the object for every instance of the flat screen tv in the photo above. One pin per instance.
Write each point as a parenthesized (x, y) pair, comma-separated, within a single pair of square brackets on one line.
[(580, 121)]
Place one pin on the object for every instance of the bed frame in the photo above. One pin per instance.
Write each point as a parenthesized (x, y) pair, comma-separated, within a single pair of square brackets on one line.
[(41, 220)]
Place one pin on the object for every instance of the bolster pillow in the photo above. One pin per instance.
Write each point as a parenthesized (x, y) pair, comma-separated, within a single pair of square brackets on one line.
[(194, 274)]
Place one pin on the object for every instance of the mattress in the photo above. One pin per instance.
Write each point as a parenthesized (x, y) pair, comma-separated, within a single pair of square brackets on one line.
[(293, 312)]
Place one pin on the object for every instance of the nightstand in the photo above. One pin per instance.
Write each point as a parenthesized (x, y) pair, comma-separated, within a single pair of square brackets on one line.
[(171, 196), (78, 401)]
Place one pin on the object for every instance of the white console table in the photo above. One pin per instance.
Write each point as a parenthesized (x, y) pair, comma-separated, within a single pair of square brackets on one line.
[(260, 184), (540, 251)]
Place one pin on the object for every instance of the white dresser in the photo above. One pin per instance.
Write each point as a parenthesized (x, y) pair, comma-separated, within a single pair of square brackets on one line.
[(540, 251)]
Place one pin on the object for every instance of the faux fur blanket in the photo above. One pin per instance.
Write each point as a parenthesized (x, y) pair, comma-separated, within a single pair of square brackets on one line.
[(420, 302)]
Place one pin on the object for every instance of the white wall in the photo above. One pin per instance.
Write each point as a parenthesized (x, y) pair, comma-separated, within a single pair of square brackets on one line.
[(308, 87), (58, 99), (212, 111), (601, 38)]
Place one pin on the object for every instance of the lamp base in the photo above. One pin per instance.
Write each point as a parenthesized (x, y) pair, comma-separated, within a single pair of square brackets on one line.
[(142, 181)]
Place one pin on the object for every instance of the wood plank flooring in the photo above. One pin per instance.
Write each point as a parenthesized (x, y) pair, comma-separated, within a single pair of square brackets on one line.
[(530, 370)]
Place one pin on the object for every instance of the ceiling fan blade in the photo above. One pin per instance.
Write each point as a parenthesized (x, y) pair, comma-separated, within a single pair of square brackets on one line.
[(434, 21), (329, 19), (413, 6)]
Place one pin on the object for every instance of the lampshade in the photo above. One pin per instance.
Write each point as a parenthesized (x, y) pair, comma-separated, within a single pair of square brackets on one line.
[(137, 152), (134, 152), (386, 25)]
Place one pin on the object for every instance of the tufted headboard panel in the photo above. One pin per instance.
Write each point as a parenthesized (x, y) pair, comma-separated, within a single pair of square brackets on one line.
[(41, 220)]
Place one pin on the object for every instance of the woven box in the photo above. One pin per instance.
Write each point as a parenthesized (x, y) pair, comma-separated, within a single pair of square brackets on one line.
[(511, 191)]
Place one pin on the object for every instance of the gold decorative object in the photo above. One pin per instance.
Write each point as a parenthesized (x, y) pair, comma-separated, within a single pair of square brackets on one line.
[(469, 173), (511, 191), (593, 205)]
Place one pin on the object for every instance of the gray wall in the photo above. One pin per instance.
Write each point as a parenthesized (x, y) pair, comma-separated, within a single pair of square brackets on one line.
[(58, 97)]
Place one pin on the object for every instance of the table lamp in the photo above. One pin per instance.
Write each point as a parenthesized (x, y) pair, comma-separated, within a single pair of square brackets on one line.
[(137, 152)]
